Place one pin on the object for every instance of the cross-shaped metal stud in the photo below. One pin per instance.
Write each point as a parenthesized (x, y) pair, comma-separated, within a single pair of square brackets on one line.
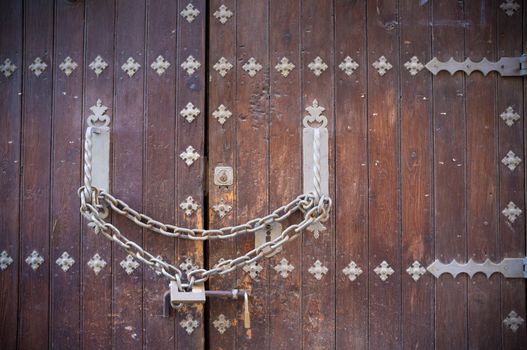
[(513, 321), (352, 271), (7, 68), (96, 263), (221, 114), (383, 271), (509, 116), (189, 324), (188, 265), (413, 65), (160, 65), (511, 212), (190, 13), (222, 66), (510, 6), (189, 156), (416, 270), (98, 65), (5, 260), (221, 324), (129, 264), (284, 268), (284, 66), (317, 66), (382, 65), (253, 270), (190, 65), (189, 112), (189, 206), (34, 260), (511, 160), (68, 66), (38, 66), (130, 67), (252, 67), (65, 261), (318, 270), (222, 208), (223, 14), (348, 66)]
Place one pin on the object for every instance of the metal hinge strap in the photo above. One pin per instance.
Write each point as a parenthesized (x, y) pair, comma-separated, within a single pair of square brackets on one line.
[(508, 267), (505, 66)]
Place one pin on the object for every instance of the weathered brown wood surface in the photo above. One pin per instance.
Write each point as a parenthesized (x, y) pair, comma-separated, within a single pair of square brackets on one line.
[(416, 171)]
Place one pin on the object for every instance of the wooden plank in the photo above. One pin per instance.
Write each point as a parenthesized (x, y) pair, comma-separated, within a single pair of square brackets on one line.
[(36, 154), (160, 165), (96, 318), (127, 138), (252, 133), (221, 145), (351, 170), (190, 88), (11, 27), (318, 304), (483, 294), (416, 177), (449, 175), (383, 149), (285, 305), (66, 176)]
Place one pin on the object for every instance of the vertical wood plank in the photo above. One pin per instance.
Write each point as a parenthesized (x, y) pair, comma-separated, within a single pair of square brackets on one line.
[(66, 176), (416, 177), (383, 148), (318, 304), (36, 154), (11, 27), (160, 165), (351, 201), (449, 175)]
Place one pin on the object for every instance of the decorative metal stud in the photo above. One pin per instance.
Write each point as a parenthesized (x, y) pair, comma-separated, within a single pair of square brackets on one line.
[(99, 115), (315, 115), (284, 67), (222, 208), (511, 160), (190, 13), (188, 265), (252, 67), (284, 268), (318, 270), (190, 65), (189, 112), (413, 65), (510, 6), (189, 324), (5, 260), (316, 228), (513, 321), (348, 66), (130, 67), (7, 68), (96, 263), (317, 66), (511, 212), (416, 270), (253, 270), (222, 66), (34, 260), (160, 65), (189, 156), (352, 271), (98, 65), (222, 114), (223, 14), (38, 66), (382, 65), (65, 261), (383, 271), (189, 206), (68, 66), (129, 264), (221, 324), (509, 116)]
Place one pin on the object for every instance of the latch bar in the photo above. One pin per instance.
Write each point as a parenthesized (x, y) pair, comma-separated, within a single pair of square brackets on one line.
[(508, 267), (505, 66)]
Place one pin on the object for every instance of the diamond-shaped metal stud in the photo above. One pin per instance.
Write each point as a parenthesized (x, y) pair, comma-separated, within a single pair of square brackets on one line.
[(189, 324), (510, 6), (416, 270), (68, 66), (509, 116), (190, 65), (129, 264), (189, 112), (98, 65), (189, 156), (38, 66), (352, 271), (511, 212), (348, 66), (189, 206), (317, 66), (318, 270), (190, 13), (160, 65), (130, 67), (7, 68), (382, 65), (284, 268), (222, 66), (5, 260), (253, 270), (65, 261), (223, 14), (316, 228), (513, 321), (96, 263), (222, 208), (383, 271), (34, 260), (252, 67), (284, 67), (221, 114), (511, 160), (221, 324), (413, 65), (188, 265)]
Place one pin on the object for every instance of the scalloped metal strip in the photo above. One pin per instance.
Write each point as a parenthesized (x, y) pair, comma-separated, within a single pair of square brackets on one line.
[(508, 267), (506, 66)]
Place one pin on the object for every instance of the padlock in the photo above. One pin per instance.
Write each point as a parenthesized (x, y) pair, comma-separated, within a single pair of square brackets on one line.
[(196, 296)]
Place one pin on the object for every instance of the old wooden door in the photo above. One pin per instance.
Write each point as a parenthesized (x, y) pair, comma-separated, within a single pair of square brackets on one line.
[(422, 167)]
